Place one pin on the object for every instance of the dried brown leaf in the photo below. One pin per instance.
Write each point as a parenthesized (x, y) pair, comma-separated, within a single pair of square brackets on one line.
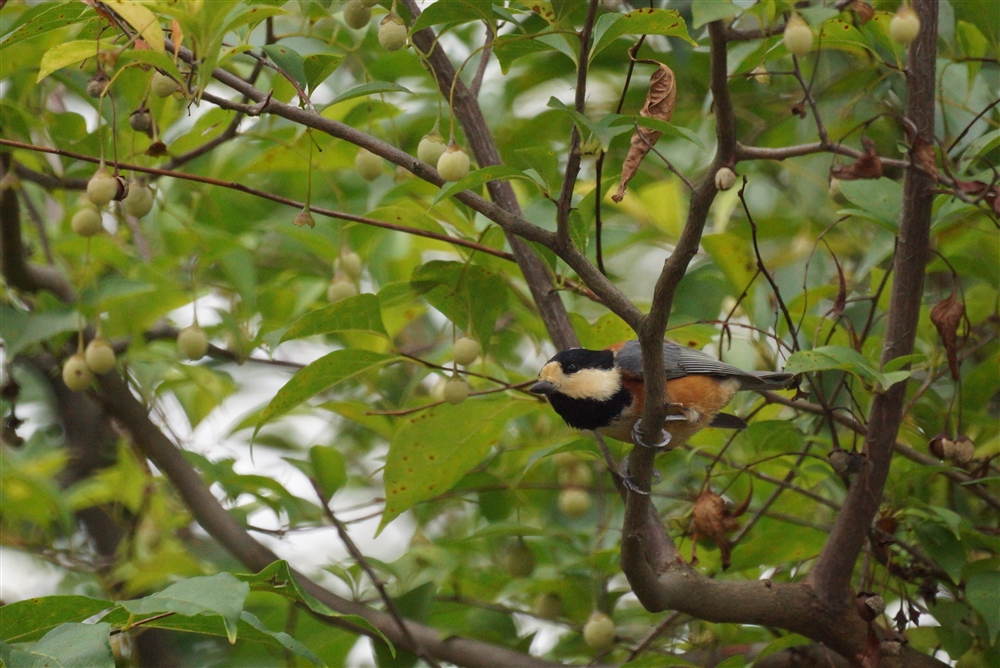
[(659, 105), (710, 518), (947, 315), (923, 157), (863, 10), (868, 166)]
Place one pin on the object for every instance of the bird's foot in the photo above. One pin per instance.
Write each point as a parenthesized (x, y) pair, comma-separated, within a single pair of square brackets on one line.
[(684, 414), (664, 435), (629, 481)]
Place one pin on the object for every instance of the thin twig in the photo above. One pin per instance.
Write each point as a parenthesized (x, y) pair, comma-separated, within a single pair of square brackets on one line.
[(390, 604), (263, 194)]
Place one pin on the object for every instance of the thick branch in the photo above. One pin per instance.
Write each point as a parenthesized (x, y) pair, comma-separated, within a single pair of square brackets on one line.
[(831, 576), (16, 270), (468, 112), (118, 401)]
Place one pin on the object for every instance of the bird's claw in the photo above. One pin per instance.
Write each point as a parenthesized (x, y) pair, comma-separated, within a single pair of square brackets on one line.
[(637, 437), (629, 481)]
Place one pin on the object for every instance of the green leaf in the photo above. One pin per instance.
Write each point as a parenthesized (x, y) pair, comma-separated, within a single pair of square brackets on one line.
[(288, 60), (32, 618), (469, 295), (611, 26), (783, 643), (220, 594), (943, 547), (159, 60), (734, 256), (433, 449), (479, 177), (21, 330), (324, 373), (46, 17), (373, 88), (733, 662), (285, 640), (982, 590), (828, 358), (881, 199), (508, 48), (453, 11), (277, 578), (360, 313), (706, 11), (319, 66), (72, 646), (139, 17), (64, 54), (329, 469)]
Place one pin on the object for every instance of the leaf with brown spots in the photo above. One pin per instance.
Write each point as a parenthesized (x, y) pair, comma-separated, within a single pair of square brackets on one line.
[(433, 449), (947, 315), (868, 166), (710, 518), (659, 105)]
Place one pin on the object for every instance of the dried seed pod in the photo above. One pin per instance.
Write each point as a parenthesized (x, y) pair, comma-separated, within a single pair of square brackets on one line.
[(964, 450), (121, 188), (97, 85), (869, 605), (725, 178), (303, 218), (141, 120), (941, 446)]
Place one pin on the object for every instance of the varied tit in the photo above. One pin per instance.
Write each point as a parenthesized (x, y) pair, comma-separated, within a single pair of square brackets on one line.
[(602, 390)]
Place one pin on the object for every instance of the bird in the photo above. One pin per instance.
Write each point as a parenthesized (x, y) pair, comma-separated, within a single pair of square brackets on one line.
[(602, 390)]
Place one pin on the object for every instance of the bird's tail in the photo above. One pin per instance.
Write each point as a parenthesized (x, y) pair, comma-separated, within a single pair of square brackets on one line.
[(766, 380)]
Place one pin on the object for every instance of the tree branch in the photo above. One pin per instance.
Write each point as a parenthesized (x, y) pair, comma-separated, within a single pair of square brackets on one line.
[(831, 575), (16, 270)]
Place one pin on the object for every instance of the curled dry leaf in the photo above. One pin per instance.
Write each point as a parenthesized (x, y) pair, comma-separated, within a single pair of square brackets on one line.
[(659, 105), (947, 315), (923, 157), (868, 166), (989, 193), (863, 10), (710, 518)]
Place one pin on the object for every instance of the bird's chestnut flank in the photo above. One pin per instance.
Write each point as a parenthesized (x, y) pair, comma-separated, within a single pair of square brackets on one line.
[(603, 391)]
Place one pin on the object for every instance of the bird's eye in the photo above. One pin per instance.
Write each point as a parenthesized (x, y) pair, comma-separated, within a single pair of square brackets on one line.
[(572, 368)]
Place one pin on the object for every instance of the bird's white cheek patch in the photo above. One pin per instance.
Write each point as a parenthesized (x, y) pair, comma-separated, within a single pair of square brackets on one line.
[(594, 384)]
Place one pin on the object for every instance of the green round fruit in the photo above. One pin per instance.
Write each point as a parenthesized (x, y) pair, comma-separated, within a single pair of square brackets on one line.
[(87, 222), (163, 86), (368, 165), (456, 391), (579, 475), (548, 606), (100, 356), (599, 632), (798, 36), (574, 502), (341, 288), (192, 342), (356, 14), (431, 148), (350, 264), (392, 33), (518, 561), (453, 165), (466, 351), (76, 374), (102, 187), (139, 200), (904, 26)]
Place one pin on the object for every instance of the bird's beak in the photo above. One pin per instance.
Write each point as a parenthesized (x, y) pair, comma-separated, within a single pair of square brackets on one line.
[(542, 387)]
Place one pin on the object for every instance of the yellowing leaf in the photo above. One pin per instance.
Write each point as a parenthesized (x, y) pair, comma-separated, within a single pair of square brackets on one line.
[(433, 449), (140, 18), (62, 55)]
